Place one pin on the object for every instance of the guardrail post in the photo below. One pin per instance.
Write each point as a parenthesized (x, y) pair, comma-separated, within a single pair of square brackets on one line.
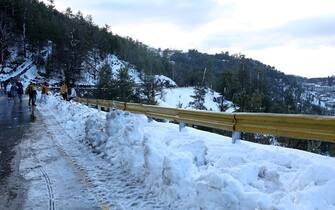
[(181, 126), (99, 108), (112, 106), (236, 136)]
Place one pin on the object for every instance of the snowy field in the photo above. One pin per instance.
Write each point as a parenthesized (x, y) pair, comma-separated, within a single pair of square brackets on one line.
[(190, 169), (182, 96)]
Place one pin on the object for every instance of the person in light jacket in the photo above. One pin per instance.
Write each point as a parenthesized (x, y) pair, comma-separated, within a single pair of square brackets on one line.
[(8, 88), (73, 94)]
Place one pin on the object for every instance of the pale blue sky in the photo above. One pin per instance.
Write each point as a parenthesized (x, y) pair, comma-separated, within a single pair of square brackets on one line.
[(297, 37)]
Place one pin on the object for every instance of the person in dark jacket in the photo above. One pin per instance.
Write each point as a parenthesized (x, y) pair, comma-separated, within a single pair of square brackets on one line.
[(13, 91), (19, 89)]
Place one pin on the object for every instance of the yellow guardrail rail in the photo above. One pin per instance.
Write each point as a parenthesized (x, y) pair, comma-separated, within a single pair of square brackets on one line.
[(311, 127)]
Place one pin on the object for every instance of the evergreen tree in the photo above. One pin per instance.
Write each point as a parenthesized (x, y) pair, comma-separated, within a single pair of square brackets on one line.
[(199, 98), (125, 86), (150, 88), (5, 36), (106, 87)]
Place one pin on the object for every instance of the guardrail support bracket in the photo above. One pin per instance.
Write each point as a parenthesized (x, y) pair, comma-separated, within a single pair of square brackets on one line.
[(181, 126), (235, 136), (150, 119)]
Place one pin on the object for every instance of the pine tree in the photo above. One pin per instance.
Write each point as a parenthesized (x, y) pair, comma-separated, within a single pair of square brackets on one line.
[(199, 98), (5, 36), (125, 85), (150, 88), (106, 88)]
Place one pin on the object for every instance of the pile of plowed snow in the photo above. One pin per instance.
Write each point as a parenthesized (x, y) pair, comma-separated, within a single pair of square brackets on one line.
[(201, 170)]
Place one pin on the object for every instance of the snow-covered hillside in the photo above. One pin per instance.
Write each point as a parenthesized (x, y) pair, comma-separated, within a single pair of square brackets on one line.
[(171, 95), (91, 78), (322, 95), (194, 169), (181, 97), (19, 67)]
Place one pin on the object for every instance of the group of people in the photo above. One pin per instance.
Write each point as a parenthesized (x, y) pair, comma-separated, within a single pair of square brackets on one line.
[(13, 90), (65, 93), (32, 93)]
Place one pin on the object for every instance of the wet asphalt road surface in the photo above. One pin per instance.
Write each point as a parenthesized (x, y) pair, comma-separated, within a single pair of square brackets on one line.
[(15, 120)]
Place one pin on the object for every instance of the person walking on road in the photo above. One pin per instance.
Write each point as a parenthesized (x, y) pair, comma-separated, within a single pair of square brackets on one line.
[(64, 91), (13, 91), (19, 90), (8, 92), (44, 92), (31, 91), (2, 88)]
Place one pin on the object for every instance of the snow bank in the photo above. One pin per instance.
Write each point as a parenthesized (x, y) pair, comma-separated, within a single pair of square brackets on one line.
[(201, 170)]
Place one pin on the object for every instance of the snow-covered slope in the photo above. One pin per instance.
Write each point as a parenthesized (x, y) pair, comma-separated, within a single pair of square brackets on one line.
[(165, 81), (115, 64), (171, 95), (17, 71), (200, 170), (181, 97)]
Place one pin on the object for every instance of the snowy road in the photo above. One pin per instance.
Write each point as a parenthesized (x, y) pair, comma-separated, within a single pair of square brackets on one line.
[(14, 120), (53, 170), (34, 174), (53, 182)]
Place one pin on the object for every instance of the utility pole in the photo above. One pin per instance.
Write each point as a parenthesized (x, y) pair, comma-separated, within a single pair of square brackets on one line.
[(203, 77)]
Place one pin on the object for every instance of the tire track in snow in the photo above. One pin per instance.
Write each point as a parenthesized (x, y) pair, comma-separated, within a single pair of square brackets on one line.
[(81, 172), (48, 183), (50, 190), (114, 187)]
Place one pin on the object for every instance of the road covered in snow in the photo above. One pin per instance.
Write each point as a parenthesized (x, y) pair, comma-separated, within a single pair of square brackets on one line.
[(14, 122), (126, 161), (35, 173), (76, 157)]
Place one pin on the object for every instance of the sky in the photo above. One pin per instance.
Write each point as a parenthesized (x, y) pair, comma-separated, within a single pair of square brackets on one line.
[(295, 36)]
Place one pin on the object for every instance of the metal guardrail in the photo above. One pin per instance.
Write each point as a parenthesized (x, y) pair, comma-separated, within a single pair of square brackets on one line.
[(310, 127)]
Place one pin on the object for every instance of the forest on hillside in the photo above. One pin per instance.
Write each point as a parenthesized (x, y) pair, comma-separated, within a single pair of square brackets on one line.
[(76, 40)]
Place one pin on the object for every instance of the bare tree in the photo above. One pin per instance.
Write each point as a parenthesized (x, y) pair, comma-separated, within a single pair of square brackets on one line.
[(5, 36)]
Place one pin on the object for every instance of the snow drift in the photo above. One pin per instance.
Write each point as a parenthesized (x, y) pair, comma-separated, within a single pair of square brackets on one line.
[(201, 170)]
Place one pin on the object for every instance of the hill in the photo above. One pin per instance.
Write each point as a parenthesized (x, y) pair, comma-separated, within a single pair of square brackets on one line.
[(70, 46)]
